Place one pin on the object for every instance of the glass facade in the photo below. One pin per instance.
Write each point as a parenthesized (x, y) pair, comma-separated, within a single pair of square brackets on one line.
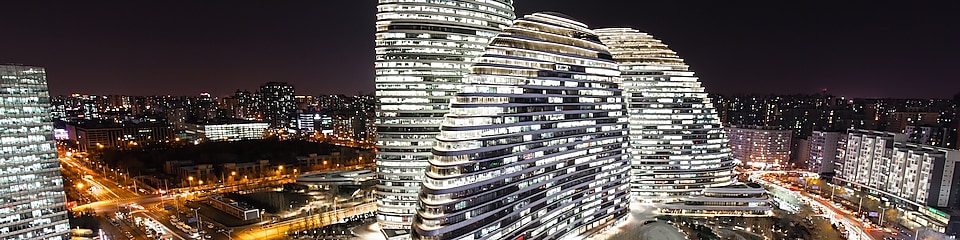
[(535, 144), (424, 48), (31, 187), (227, 131), (677, 143)]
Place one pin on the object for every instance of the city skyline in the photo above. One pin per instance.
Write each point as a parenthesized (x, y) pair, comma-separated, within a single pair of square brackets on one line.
[(100, 48), (485, 119)]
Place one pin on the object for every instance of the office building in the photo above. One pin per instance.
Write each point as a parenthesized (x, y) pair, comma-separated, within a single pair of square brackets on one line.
[(32, 198), (277, 104), (423, 50), (677, 144), (534, 146), (226, 130), (307, 122), (760, 146), (94, 134), (823, 152)]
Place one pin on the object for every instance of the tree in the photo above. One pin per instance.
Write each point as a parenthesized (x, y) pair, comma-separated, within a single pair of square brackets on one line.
[(956, 99)]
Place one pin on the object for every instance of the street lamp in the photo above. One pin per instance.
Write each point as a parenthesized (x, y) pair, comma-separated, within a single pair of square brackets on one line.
[(197, 214)]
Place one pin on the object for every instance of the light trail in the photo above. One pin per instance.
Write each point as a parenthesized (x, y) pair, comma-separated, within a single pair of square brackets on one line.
[(855, 230)]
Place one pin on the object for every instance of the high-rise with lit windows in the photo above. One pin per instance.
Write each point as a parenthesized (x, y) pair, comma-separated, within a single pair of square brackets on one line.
[(31, 187), (677, 144), (424, 48), (760, 147), (535, 144), (277, 103)]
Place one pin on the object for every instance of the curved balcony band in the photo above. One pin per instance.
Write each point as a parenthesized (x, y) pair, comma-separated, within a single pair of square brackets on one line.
[(424, 48), (677, 144), (535, 144)]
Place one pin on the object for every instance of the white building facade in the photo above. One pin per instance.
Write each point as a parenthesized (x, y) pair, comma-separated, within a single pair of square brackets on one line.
[(921, 178), (423, 50), (736, 200), (677, 144), (535, 145)]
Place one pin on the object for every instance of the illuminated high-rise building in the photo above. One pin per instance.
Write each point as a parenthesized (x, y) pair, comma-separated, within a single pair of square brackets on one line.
[(277, 104), (31, 187), (678, 146), (424, 48), (760, 147), (535, 144)]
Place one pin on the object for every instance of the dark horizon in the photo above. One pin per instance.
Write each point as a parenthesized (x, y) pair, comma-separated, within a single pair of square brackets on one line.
[(868, 50)]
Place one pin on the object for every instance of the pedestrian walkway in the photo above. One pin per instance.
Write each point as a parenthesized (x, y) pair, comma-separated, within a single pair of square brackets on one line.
[(369, 231)]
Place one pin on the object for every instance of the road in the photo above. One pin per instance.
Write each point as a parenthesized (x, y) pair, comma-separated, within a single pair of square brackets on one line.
[(280, 229), (856, 230)]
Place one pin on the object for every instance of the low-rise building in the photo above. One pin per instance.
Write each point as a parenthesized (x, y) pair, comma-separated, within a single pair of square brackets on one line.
[(240, 171), (227, 130), (326, 180), (237, 209), (107, 134), (736, 200)]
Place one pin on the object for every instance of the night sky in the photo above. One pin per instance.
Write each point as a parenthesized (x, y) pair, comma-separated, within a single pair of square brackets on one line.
[(903, 49)]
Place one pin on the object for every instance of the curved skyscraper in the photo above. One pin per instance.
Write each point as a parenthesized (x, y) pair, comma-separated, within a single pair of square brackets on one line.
[(677, 143), (424, 48), (535, 144)]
